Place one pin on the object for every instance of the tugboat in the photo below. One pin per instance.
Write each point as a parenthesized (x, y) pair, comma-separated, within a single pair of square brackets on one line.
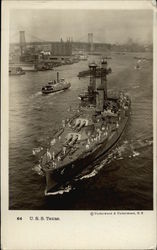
[(90, 133), (55, 86)]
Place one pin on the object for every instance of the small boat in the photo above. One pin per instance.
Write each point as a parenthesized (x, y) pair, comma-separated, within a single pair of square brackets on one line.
[(16, 71), (56, 85)]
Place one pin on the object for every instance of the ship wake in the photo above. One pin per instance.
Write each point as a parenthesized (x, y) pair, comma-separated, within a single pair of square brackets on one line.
[(129, 149)]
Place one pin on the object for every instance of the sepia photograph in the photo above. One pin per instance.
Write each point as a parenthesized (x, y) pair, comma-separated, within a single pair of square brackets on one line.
[(80, 109)]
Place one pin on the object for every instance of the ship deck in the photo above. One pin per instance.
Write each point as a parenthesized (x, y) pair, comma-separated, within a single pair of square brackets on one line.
[(90, 137)]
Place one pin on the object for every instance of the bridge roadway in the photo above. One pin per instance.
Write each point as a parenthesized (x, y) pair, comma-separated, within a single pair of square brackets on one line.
[(75, 45)]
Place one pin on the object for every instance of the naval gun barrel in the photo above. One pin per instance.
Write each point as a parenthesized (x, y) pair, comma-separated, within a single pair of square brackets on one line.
[(81, 125)]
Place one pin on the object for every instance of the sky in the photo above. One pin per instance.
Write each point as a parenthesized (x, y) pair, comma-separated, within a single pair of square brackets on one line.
[(108, 26)]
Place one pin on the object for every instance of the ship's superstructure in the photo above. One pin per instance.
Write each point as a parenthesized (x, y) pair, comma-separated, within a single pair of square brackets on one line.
[(87, 72), (89, 133)]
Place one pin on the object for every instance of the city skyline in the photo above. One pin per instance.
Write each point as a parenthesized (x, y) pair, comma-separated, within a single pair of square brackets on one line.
[(107, 26)]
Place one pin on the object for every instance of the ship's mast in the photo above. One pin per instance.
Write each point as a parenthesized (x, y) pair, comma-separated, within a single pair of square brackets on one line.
[(98, 95)]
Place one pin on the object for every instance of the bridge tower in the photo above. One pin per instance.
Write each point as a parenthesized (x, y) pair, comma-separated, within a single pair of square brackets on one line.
[(22, 42), (90, 42)]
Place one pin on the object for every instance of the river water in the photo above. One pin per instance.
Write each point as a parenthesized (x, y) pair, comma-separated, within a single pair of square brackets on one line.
[(122, 180)]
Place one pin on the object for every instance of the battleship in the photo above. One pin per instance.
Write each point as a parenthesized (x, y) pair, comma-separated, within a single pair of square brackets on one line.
[(90, 132), (56, 85)]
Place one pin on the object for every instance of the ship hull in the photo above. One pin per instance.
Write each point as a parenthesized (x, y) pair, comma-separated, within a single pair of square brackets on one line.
[(45, 92), (56, 178)]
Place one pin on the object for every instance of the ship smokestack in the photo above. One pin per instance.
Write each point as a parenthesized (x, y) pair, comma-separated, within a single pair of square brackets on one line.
[(92, 84), (104, 73), (100, 99), (57, 76)]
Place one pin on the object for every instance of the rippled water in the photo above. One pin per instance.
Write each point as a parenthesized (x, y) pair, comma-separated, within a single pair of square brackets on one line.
[(123, 179)]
